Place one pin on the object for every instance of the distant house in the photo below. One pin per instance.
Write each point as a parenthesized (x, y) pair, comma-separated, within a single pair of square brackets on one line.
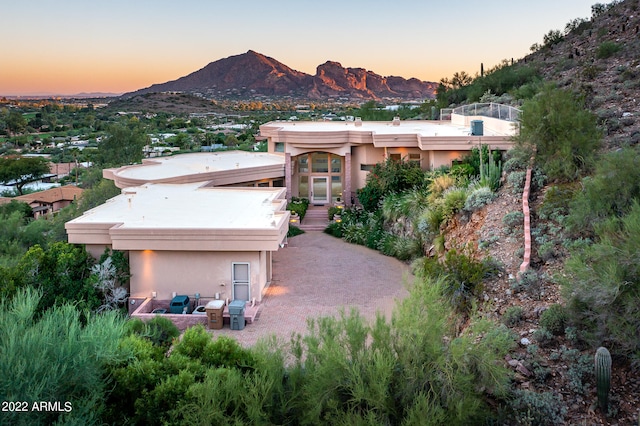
[(50, 200)]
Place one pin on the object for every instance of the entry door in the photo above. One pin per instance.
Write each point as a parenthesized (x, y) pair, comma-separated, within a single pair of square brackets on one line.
[(240, 281), (319, 190)]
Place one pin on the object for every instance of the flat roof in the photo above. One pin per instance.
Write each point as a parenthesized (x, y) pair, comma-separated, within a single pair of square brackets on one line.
[(189, 206), (420, 127), (196, 163)]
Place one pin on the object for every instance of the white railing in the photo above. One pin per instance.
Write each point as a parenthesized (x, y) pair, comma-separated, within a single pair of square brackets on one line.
[(499, 111)]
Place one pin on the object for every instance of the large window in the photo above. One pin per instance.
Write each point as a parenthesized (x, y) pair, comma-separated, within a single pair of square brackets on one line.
[(319, 162), (303, 164), (336, 164), (303, 187), (336, 188), (320, 168)]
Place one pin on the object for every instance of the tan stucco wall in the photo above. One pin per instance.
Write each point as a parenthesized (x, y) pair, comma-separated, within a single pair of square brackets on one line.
[(96, 250), (444, 158), (188, 273)]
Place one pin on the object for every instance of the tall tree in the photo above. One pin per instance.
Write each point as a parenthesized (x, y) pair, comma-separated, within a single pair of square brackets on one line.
[(22, 170), (123, 145), (16, 123)]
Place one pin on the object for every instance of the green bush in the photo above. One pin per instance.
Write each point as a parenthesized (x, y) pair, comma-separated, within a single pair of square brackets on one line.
[(299, 205), (454, 199), (554, 319), (609, 193), (517, 180), (334, 229), (607, 49), (528, 282), (512, 316), (387, 177), (161, 331), (543, 336), (562, 132), (332, 211), (514, 221), (601, 283), (546, 251), (61, 355), (293, 231), (464, 277), (478, 198), (532, 408)]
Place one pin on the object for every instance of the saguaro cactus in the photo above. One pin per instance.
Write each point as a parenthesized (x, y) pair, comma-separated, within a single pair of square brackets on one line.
[(603, 377)]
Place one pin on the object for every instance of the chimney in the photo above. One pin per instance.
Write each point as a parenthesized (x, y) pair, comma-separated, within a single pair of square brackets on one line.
[(358, 122), (396, 121)]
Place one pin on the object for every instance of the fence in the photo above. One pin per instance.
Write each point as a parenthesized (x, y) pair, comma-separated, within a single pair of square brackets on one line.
[(499, 111)]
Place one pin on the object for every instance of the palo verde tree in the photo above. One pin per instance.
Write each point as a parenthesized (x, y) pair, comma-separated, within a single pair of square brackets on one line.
[(21, 170), (562, 133)]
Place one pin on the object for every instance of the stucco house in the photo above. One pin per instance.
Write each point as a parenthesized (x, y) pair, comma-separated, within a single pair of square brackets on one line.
[(328, 160), (208, 223), (190, 238)]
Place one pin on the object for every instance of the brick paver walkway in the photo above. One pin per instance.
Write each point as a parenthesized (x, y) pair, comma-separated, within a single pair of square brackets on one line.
[(315, 275)]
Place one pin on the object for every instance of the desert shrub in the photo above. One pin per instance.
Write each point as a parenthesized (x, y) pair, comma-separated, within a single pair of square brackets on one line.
[(161, 331), (193, 343), (429, 222), (606, 49), (601, 283), (453, 201), (554, 319), (439, 184), (543, 336), (225, 351), (532, 408), (580, 369), (402, 248), (547, 251), (610, 192), (59, 355), (563, 133), (556, 202), (512, 316), (478, 198), (513, 221), (516, 180), (528, 282), (515, 164), (463, 282)]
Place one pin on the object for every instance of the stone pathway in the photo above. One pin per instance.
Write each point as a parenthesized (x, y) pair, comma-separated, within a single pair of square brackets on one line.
[(316, 275)]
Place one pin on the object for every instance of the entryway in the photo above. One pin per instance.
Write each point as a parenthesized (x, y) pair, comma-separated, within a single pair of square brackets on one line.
[(316, 219), (319, 190)]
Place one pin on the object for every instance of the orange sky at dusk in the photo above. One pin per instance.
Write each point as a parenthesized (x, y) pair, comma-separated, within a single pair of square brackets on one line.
[(73, 46)]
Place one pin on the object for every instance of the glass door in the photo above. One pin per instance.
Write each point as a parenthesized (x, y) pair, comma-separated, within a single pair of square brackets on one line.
[(319, 190), (240, 281)]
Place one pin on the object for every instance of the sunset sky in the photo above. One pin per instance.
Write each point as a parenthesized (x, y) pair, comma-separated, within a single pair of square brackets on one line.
[(72, 46)]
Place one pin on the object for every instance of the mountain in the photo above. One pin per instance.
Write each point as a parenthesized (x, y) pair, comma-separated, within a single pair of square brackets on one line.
[(599, 59), (252, 73)]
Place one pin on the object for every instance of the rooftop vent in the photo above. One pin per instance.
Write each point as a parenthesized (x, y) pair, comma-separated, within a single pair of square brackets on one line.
[(358, 122), (396, 121)]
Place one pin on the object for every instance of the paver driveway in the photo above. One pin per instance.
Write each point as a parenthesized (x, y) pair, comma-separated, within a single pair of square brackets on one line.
[(315, 275)]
